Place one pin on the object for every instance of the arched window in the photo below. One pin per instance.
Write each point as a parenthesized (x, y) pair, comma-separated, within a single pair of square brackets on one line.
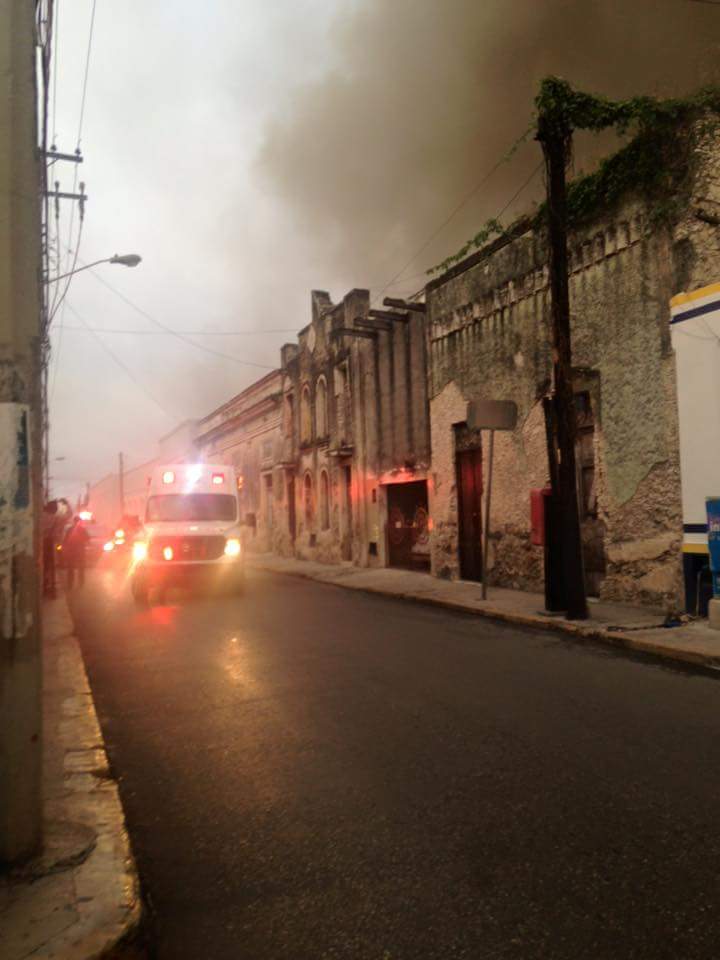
[(324, 501), (308, 497), (321, 410), (305, 416)]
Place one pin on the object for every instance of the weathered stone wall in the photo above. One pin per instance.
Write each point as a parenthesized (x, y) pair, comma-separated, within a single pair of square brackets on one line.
[(489, 338), (377, 428)]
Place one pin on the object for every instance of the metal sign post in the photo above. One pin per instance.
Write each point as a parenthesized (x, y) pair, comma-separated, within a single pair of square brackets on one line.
[(490, 415)]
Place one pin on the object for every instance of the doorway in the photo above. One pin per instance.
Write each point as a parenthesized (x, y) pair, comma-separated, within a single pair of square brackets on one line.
[(469, 494), (407, 527)]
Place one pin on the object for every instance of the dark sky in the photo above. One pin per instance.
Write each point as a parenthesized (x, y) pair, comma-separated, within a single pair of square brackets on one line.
[(253, 151)]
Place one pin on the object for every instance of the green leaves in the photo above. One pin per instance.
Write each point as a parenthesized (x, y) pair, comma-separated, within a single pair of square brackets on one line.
[(655, 165)]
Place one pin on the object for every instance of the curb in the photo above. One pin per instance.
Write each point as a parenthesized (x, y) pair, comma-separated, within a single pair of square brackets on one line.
[(86, 905), (614, 638)]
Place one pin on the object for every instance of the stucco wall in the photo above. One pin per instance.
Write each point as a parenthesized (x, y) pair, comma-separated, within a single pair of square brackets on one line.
[(489, 338)]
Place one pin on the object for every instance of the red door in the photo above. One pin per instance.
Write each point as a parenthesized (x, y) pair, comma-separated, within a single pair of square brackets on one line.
[(469, 488)]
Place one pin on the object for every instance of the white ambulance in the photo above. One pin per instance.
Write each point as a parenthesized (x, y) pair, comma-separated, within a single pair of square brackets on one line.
[(191, 530)]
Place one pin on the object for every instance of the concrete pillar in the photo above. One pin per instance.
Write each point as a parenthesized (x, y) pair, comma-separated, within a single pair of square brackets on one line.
[(20, 439)]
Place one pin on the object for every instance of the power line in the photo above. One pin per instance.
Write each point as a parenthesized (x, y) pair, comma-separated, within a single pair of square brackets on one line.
[(161, 333), (527, 183), (83, 98), (87, 71), (126, 370), (61, 299), (496, 220), (176, 333), (453, 213)]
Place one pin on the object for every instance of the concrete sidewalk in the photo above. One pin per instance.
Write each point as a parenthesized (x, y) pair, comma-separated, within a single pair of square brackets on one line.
[(634, 628), (80, 899)]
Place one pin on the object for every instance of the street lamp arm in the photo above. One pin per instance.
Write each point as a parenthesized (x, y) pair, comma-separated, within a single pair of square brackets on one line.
[(127, 260), (79, 270)]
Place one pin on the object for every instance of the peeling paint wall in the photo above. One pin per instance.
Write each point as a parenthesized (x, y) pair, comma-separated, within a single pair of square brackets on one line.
[(489, 338)]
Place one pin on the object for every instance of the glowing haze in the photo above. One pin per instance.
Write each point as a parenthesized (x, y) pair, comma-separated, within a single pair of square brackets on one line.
[(252, 152)]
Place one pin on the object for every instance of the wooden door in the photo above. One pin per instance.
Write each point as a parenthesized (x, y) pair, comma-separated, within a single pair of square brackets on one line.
[(469, 490)]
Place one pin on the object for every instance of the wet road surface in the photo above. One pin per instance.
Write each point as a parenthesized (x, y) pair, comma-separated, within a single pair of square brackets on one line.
[(310, 772)]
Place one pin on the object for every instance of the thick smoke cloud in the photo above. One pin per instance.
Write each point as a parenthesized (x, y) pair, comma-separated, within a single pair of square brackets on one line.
[(424, 96)]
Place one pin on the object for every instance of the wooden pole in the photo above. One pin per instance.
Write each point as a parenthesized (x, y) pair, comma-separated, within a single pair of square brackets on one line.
[(486, 525), (554, 133)]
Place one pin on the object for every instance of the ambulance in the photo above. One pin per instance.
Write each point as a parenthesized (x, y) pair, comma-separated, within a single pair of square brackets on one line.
[(190, 531)]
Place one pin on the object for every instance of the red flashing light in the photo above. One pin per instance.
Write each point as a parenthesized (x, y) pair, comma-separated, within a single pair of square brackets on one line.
[(218, 478), (168, 476)]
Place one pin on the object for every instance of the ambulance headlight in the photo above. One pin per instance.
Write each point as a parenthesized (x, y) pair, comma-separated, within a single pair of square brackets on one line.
[(232, 547), (139, 551)]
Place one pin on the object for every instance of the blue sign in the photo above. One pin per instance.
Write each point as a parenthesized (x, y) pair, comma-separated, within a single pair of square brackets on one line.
[(712, 505)]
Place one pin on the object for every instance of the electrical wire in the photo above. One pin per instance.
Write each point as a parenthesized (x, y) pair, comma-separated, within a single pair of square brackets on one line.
[(126, 370), (176, 333), (83, 100), (87, 72), (60, 300), (189, 333), (56, 365), (453, 213), (525, 185)]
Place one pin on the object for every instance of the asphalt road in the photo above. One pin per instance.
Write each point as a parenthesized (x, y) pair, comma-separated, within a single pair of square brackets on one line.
[(310, 772)]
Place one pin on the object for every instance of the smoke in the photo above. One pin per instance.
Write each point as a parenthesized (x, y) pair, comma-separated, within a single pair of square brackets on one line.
[(421, 99)]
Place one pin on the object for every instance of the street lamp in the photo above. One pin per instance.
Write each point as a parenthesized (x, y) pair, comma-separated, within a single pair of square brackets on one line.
[(127, 260)]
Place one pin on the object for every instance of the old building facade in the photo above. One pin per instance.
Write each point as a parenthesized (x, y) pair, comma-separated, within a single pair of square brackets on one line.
[(356, 437), (490, 339)]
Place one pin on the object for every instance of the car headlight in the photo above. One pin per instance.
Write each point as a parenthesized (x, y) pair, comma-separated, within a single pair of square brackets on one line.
[(139, 550), (232, 547)]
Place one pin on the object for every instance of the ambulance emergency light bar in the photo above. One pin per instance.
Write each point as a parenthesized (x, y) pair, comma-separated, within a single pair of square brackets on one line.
[(194, 474)]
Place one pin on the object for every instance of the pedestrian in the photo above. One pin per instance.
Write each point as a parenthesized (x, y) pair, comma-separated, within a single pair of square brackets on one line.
[(49, 542), (74, 552)]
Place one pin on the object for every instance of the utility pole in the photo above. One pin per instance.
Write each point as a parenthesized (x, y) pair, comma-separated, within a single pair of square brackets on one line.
[(555, 135), (121, 484), (21, 429)]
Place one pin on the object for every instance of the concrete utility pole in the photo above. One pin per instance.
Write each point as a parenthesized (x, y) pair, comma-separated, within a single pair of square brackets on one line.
[(20, 438), (555, 135)]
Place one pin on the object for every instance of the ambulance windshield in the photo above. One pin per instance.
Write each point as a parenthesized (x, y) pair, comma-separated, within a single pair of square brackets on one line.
[(180, 507)]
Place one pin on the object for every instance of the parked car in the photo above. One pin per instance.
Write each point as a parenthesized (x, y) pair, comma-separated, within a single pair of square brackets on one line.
[(98, 536)]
